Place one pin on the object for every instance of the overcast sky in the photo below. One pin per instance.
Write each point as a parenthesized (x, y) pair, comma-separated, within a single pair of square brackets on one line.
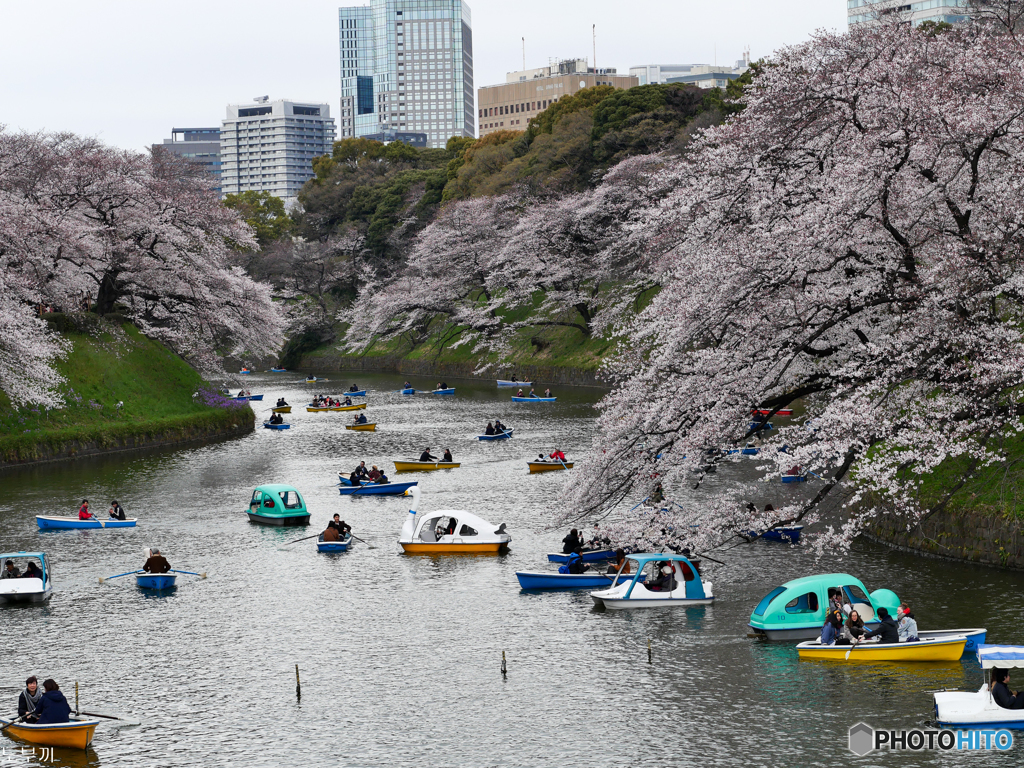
[(127, 71)]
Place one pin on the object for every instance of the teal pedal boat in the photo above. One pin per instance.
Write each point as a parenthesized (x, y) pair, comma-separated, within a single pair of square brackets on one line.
[(796, 610), (278, 505)]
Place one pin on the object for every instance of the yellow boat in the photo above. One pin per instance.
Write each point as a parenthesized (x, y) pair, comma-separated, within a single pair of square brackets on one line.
[(316, 408), (282, 409), (76, 734), (362, 427), (939, 649), (357, 407), (454, 549), (548, 466), (424, 466)]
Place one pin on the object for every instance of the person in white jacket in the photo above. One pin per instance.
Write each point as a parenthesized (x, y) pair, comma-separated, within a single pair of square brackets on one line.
[(906, 624)]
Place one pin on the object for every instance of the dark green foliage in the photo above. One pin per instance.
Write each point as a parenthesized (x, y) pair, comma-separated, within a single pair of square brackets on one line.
[(263, 212)]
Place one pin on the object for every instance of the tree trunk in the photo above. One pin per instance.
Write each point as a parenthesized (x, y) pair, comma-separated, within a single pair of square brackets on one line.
[(108, 293)]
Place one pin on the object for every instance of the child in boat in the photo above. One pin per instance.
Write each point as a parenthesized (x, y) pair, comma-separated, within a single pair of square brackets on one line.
[(53, 707), (383, 479), (156, 562)]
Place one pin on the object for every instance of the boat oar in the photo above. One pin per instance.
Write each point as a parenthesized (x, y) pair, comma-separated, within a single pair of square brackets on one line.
[(855, 642), (118, 576), (125, 720), (708, 557), (304, 538), (368, 544), (16, 720), (191, 573)]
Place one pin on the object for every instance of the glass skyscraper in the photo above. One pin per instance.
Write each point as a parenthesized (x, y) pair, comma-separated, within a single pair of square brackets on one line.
[(407, 66)]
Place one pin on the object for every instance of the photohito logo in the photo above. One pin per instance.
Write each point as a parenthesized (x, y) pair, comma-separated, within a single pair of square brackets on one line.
[(863, 739)]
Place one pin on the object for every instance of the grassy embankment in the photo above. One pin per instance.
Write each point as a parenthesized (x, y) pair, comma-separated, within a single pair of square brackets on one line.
[(113, 362), (997, 490)]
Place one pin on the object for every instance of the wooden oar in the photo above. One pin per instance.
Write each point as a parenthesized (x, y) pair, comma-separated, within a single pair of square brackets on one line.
[(304, 538), (368, 544), (16, 720), (118, 576), (111, 717), (855, 642), (190, 573)]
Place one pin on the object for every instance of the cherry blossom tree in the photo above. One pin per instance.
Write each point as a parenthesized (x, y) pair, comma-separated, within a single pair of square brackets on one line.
[(851, 240)]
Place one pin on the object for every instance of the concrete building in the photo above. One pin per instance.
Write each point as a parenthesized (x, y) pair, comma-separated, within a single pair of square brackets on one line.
[(200, 145), (704, 76), (407, 66), (869, 11), (511, 105), (270, 145), (652, 74), (418, 140)]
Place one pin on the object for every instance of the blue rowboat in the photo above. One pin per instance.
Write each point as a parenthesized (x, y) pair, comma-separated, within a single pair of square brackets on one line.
[(742, 451), (788, 535), (248, 397), (373, 489), (155, 580), (501, 436), (794, 478), (449, 391), (333, 546), (360, 393), (255, 397), (528, 580), (757, 425), (246, 372), (410, 391), (47, 523), (268, 425), (589, 556), (533, 399), (278, 370)]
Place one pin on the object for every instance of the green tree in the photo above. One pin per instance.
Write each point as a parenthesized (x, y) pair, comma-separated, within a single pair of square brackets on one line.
[(263, 212)]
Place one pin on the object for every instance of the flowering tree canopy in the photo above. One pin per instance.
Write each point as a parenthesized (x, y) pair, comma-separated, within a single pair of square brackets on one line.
[(142, 234), (852, 239)]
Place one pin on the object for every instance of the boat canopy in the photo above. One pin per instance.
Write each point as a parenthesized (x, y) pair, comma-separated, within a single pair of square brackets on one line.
[(466, 524), (1003, 656), (40, 556)]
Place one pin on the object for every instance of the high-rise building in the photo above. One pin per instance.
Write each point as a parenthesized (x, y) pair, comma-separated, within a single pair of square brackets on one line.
[(511, 105), (199, 145), (407, 65), (869, 11), (270, 145)]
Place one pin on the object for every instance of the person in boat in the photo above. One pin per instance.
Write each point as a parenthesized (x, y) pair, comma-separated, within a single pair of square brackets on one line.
[(276, 418), (499, 428), (853, 629), (547, 393), (831, 628), (32, 571), (557, 455), (1001, 692), (666, 582), (426, 456), (532, 393), (571, 542), (330, 533), (353, 388), (447, 458), (906, 624), (514, 380), (344, 529), (407, 385), (361, 419), (444, 385), (794, 470), (576, 564), (520, 392), (382, 479), (156, 562), (490, 429), (28, 701), (116, 512), (348, 401), (281, 403), (374, 473), (83, 511), (598, 539), (620, 562), (362, 472), (241, 393), (450, 528), (887, 631), (353, 479), (835, 601), (10, 571), (52, 707), (657, 495)]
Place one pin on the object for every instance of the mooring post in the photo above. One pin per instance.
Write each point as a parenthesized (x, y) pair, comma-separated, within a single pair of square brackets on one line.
[(76, 697), (650, 659), (298, 684), (504, 669)]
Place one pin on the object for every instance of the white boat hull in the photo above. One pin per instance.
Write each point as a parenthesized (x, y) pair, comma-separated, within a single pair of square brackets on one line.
[(615, 598), (975, 709), (24, 591)]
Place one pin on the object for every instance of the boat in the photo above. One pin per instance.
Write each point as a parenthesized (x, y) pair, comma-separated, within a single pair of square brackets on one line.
[(278, 370), (268, 425), (76, 734), (316, 408), (413, 465), (977, 709), (48, 523), (449, 391), (356, 407), (408, 391), (975, 637), (425, 534), (500, 436), (796, 610), (789, 534), (155, 580), (22, 590), (277, 505), (937, 649), (376, 489), (547, 466), (768, 412), (358, 393), (798, 477), (313, 379), (245, 372), (589, 556), (282, 409), (333, 546), (689, 589), (506, 383), (362, 427), (747, 451), (529, 580), (533, 399), (248, 397), (757, 426)]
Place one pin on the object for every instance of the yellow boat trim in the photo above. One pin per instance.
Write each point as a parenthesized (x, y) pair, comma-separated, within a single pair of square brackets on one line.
[(426, 466), (362, 427), (73, 735), (442, 549), (348, 407), (903, 652), (536, 467), (315, 410), (282, 409)]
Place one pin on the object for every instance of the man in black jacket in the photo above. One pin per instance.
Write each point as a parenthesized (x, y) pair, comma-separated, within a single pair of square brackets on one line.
[(1001, 691), (887, 630), (571, 542)]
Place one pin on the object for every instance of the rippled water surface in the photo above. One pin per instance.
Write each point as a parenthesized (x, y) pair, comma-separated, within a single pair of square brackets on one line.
[(400, 655)]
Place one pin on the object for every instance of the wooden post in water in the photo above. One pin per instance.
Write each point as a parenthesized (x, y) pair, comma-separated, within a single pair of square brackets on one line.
[(298, 684), (76, 697), (650, 659), (504, 669)]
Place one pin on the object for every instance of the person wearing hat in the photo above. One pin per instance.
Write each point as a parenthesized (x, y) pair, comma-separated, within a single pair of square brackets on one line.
[(156, 562), (666, 582)]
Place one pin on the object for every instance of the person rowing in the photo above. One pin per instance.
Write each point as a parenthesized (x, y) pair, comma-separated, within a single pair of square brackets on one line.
[(344, 529), (354, 388), (348, 401), (532, 393), (407, 385), (361, 419), (28, 701), (557, 455), (276, 418), (499, 428), (426, 456), (155, 562), (83, 511), (281, 403)]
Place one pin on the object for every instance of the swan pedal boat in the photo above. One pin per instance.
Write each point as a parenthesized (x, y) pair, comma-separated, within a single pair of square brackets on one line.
[(589, 556), (500, 436), (937, 649), (449, 391), (424, 466), (278, 505), (473, 534), (23, 590), (506, 383), (48, 523), (362, 427), (516, 399), (333, 546), (547, 466), (689, 590), (282, 409), (76, 734), (156, 581), (531, 580), (268, 425), (977, 709)]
